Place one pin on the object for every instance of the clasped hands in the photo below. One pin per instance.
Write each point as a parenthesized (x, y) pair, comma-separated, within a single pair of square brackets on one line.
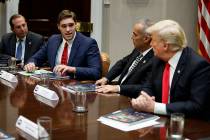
[(59, 69), (144, 102)]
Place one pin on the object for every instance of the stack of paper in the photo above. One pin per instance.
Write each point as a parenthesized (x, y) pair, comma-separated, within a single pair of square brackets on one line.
[(36, 72), (129, 119), (79, 87), (5, 136)]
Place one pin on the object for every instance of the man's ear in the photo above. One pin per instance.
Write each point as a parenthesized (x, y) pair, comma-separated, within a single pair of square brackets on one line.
[(58, 27), (11, 29), (166, 46), (147, 38)]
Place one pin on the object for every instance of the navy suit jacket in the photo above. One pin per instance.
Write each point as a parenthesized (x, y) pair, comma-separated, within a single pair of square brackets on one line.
[(138, 75), (33, 43), (190, 88), (84, 56)]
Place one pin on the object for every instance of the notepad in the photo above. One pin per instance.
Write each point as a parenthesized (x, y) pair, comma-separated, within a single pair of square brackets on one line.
[(80, 87), (129, 116)]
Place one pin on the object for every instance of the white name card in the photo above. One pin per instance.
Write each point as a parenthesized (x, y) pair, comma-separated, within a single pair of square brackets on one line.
[(9, 84), (68, 90), (45, 92), (51, 103), (27, 126), (8, 76)]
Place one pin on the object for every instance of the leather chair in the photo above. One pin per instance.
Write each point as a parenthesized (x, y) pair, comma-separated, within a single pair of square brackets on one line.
[(105, 63)]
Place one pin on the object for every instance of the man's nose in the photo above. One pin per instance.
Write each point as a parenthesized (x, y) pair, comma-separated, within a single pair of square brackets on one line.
[(22, 28), (68, 28)]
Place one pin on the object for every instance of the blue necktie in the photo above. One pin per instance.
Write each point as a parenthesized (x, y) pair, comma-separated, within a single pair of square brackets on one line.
[(19, 50)]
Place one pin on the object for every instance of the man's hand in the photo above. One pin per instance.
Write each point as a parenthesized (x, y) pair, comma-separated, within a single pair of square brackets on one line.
[(102, 81), (30, 67), (62, 69), (144, 102), (107, 89)]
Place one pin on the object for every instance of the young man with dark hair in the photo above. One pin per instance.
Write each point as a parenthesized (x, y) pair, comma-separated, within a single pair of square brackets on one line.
[(70, 52)]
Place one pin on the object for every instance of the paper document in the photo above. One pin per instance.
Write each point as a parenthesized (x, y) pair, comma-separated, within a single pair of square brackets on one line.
[(128, 119)]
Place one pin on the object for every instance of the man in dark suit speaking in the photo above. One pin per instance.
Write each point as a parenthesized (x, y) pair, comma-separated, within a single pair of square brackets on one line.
[(135, 67), (70, 52), (180, 78), (21, 43)]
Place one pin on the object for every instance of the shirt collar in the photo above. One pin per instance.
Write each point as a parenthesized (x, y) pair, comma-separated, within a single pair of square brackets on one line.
[(146, 51), (23, 39), (173, 61)]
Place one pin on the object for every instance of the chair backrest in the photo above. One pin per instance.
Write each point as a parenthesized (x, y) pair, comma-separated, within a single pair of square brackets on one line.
[(105, 63)]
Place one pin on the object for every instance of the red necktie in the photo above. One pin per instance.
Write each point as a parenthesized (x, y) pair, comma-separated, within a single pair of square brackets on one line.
[(165, 84), (163, 133), (65, 95), (64, 57)]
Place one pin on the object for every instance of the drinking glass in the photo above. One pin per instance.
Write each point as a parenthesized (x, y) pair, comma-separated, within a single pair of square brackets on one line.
[(176, 125), (44, 127), (80, 102), (45, 79), (12, 65)]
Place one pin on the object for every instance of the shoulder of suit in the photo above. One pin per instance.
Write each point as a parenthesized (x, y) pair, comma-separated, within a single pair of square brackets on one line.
[(81, 36), (193, 56), (33, 34), (55, 37), (8, 35), (149, 54)]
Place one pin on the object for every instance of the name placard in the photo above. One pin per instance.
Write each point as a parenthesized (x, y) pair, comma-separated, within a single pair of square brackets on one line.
[(51, 103), (45, 92), (9, 84), (8, 76), (27, 126)]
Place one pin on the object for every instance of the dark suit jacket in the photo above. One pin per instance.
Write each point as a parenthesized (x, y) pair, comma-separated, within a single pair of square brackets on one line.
[(33, 43), (139, 74), (84, 56), (190, 88)]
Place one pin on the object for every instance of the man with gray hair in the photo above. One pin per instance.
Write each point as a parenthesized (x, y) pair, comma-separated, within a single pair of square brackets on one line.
[(134, 68), (180, 78)]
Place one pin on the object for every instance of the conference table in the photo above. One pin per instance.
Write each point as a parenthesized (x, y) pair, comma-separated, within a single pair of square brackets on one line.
[(18, 99)]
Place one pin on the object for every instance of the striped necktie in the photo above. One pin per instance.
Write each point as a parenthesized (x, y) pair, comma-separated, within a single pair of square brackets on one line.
[(135, 63)]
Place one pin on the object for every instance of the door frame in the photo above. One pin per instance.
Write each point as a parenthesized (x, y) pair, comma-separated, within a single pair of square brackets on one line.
[(96, 18)]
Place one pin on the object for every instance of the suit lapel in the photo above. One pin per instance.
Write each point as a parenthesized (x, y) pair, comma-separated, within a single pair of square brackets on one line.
[(54, 50), (74, 48), (13, 45), (142, 62), (158, 74), (128, 65), (179, 70), (27, 49)]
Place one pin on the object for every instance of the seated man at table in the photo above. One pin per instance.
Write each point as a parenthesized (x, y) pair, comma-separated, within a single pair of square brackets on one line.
[(70, 52), (134, 68), (21, 43), (180, 78)]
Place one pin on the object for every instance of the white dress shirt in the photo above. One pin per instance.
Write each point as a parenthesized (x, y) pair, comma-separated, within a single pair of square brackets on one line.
[(61, 48), (160, 108)]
